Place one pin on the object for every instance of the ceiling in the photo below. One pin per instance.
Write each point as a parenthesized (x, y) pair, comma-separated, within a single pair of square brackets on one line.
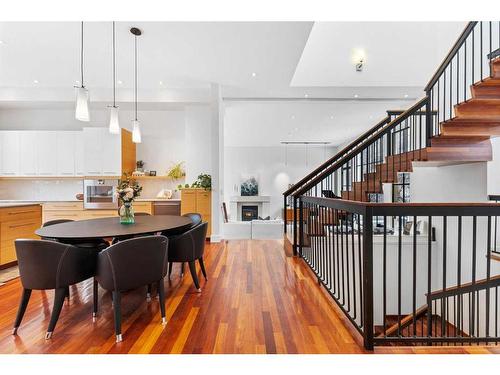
[(177, 54), (394, 53)]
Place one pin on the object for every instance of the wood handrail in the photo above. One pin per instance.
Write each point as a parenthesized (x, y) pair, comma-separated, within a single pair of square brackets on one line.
[(451, 54), (405, 322), (466, 288)]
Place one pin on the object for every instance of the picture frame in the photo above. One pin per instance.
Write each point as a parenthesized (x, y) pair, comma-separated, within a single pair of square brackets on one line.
[(152, 173)]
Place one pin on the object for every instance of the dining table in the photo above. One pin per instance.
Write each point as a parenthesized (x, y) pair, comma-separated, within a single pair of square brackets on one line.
[(110, 227)]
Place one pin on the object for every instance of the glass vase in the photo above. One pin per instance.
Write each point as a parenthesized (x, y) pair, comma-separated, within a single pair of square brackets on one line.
[(127, 213)]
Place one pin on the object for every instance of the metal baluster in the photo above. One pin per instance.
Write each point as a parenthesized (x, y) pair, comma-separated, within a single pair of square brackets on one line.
[(443, 305), (414, 275), (400, 220)]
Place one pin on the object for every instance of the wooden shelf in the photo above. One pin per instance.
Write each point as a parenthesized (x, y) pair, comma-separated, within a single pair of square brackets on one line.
[(150, 177)]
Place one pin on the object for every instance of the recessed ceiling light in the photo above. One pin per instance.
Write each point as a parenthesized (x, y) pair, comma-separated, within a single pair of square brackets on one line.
[(292, 117), (331, 117), (254, 74), (356, 95), (406, 95), (35, 81), (1, 41), (161, 83), (306, 95), (120, 82)]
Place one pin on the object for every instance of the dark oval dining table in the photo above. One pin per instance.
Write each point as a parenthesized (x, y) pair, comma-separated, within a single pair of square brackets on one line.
[(110, 227)]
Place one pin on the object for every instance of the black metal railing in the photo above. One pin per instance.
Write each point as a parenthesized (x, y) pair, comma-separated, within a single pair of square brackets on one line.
[(360, 174), (468, 62), (417, 274)]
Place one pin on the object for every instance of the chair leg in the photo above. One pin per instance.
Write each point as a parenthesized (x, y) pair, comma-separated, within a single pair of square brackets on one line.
[(161, 295), (96, 297), (192, 268), (25, 297), (118, 315), (148, 294), (59, 296), (67, 295), (169, 269), (202, 266)]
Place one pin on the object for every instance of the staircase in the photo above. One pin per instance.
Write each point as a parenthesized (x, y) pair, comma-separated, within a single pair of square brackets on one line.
[(465, 138), (349, 243)]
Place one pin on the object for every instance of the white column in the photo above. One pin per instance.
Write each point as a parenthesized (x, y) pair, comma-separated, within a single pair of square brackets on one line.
[(217, 160)]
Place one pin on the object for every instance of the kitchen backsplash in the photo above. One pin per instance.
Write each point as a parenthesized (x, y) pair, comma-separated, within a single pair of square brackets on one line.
[(66, 189)]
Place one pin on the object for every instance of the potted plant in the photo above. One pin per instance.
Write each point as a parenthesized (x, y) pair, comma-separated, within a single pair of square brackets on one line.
[(204, 181), (177, 171), (127, 191)]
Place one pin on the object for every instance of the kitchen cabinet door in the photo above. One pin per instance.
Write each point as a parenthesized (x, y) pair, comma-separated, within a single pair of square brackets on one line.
[(79, 154), (92, 148), (46, 153), (111, 154), (10, 153), (28, 145), (66, 152)]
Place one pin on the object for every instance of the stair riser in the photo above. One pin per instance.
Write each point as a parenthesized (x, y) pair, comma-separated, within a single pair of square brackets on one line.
[(471, 130), (486, 92)]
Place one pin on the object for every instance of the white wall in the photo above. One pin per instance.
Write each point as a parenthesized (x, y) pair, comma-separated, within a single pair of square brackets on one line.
[(267, 164), (197, 144)]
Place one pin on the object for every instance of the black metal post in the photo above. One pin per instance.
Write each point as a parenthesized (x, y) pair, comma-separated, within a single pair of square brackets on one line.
[(301, 227), (368, 278)]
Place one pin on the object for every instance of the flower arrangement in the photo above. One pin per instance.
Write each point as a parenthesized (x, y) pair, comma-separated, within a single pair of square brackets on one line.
[(128, 190), (204, 181)]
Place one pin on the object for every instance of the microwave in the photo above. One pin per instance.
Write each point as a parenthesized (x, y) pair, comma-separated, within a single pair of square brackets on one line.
[(100, 194)]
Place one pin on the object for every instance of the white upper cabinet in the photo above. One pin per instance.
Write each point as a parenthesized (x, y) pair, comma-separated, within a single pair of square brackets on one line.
[(91, 152), (9, 150), (111, 154), (79, 154), (66, 154), (47, 153), (92, 148), (28, 158)]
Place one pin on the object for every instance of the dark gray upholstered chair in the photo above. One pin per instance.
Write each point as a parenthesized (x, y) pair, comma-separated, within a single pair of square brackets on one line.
[(189, 247), (51, 265), (95, 245), (130, 264), (196, 220)]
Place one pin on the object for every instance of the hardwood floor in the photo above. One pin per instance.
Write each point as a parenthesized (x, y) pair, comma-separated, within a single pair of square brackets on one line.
[(256, 300)]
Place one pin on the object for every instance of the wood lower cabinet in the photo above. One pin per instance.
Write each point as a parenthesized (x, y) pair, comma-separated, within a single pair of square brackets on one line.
[(146, 207), (17, 222), (199, 201)]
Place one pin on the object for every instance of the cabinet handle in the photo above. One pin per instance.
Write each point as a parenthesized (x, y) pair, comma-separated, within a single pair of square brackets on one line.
[(20, 225)]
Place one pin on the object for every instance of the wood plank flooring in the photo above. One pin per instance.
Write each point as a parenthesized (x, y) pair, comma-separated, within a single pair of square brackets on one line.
[(256, 300)]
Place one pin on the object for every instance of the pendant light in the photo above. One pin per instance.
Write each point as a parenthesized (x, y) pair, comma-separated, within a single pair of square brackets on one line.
[(82, 94), (114, 123), (136, 131)]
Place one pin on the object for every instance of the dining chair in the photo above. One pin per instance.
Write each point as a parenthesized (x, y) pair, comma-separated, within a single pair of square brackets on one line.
[(130, 264), (95, 245), (189, 247), (46, 265)]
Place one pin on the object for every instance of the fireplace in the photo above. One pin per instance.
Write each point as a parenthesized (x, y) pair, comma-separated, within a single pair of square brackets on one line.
[(249, 213)]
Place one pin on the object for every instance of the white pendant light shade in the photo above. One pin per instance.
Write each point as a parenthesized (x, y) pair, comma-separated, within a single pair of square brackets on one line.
[(114, 122), (82, 104), (136, 132)]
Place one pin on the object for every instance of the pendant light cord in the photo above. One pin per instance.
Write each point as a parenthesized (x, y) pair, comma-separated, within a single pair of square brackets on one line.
[(135, 42), (114, 67), (81, 58)]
